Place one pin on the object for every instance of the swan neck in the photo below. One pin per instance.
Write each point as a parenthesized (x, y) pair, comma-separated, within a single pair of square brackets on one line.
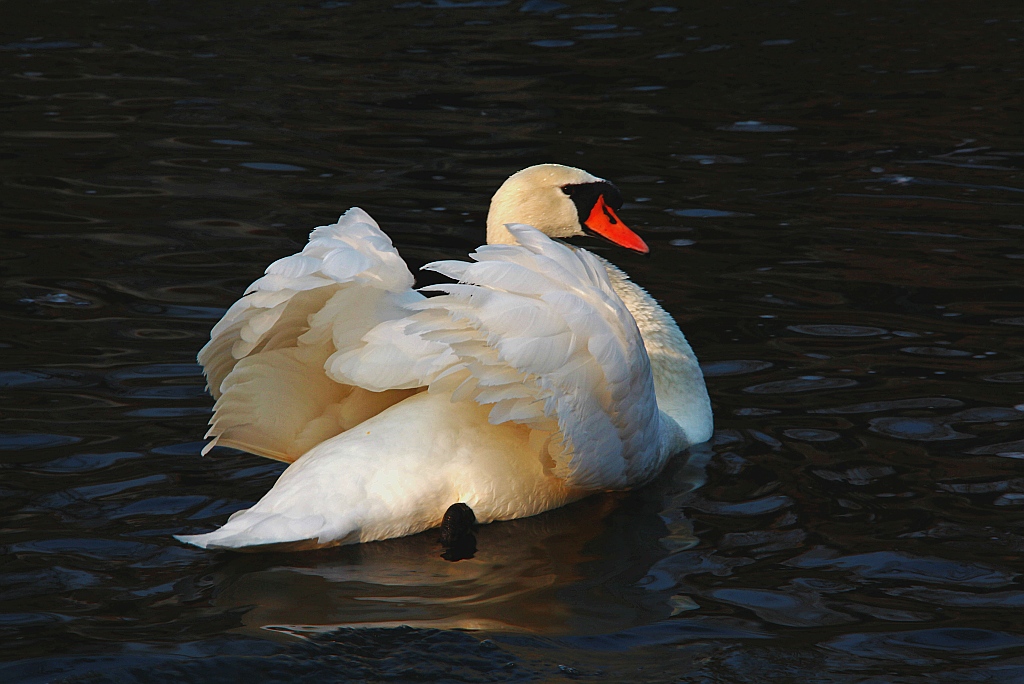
[(678, 380)]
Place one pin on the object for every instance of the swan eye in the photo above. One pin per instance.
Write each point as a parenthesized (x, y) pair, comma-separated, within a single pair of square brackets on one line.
[(565, 189)]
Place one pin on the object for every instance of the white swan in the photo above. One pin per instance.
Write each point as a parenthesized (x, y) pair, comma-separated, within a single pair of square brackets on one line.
[(543, 375)]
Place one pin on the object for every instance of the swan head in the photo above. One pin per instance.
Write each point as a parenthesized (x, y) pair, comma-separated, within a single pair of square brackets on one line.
[(561, 202)]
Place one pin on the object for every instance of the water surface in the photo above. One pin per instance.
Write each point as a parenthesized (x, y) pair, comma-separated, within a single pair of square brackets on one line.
[(833, 195)]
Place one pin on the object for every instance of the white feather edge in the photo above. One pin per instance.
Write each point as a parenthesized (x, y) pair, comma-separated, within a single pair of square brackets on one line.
[(265, 359), (537, 332)]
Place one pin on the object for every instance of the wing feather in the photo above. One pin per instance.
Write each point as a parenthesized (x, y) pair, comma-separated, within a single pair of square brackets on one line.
[(265, 361), (537, 332)]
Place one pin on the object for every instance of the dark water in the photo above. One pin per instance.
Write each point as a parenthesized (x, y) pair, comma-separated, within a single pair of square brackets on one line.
[(833, 193)]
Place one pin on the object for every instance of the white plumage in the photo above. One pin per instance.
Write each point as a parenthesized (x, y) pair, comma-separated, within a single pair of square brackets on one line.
[(523, 386)]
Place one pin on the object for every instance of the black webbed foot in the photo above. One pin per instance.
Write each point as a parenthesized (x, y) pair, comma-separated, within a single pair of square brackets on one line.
[(457, 535)]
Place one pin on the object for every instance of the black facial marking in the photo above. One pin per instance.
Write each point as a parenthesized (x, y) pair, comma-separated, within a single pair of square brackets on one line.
[(584, 196)]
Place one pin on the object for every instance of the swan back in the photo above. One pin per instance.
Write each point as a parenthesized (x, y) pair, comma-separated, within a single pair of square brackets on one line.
[(536, 332)]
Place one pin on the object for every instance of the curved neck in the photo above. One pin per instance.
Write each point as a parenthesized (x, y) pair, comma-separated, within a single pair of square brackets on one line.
[(678, 380)]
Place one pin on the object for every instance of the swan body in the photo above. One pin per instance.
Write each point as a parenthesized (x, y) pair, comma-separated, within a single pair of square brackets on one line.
[(541, 375)]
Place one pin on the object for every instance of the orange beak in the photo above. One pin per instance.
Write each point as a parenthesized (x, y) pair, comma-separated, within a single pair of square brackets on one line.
[(604, 222)]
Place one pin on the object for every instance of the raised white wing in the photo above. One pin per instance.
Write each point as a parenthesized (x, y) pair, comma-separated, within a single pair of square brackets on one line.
[(268, 359), (536, 332)]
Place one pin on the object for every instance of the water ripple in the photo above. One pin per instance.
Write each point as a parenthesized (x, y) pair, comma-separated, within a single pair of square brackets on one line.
[(803, 384), (781, 608), (753, 126), (935, 351), (811, 435), (890, 565), (82, 463), (918, 429), (861, 475), (768, 504), (836, 330), (26, 441), (892, 404), (715, 369), (908, 646)]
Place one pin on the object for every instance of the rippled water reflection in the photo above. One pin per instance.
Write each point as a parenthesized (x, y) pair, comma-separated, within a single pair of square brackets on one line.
[(833, 200)]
